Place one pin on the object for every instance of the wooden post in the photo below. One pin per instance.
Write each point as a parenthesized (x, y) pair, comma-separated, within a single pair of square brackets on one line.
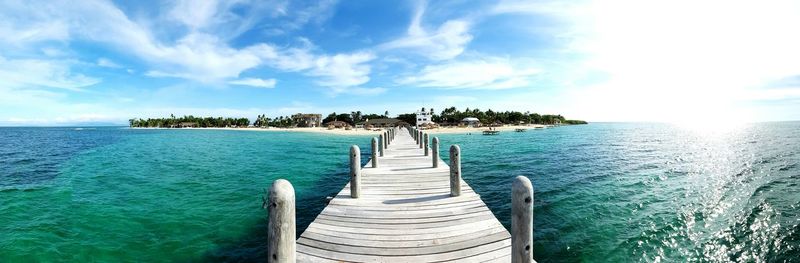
[(355, 171), (420, 140), (435, 150), (521, 220), (281, 227), (380, 145), (455, 170), (386, 142), (374, 152), (427, 151)]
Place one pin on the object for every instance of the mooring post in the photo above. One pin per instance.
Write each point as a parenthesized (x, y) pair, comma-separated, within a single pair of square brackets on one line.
[(455, 170), (380, 145), (355, 171), (374, 152), (281, 227), (421, 140), (521, 220), (427, 151), (386, 142), (435, 150)]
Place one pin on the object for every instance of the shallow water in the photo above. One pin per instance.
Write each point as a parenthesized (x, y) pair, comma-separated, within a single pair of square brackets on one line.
[(603, 192)]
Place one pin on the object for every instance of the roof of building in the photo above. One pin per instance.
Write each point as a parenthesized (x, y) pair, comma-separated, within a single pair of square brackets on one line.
[(337, 123), (382, 121), (470, 119)]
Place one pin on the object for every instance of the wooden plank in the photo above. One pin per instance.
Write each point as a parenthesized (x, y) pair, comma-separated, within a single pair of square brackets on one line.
[(404, 243), (404, 251), (404, 213), (451, 256)]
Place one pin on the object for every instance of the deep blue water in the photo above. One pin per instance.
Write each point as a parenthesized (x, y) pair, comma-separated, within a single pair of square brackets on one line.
[(603, 192)]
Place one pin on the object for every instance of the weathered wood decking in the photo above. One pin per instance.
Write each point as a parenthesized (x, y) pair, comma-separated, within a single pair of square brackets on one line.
[(405, 214)]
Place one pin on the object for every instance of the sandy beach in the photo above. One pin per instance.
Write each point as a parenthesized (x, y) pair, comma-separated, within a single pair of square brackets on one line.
[(443, 130)]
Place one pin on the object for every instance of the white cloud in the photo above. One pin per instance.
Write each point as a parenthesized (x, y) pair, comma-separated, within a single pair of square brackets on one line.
[(561, 8), (297, 14), (446, 42), (198, 55), (32, 73), (343, 70), (21, 33), (289, 59), (104, 62), (654, 55), (480, 73), (194, 14), (255, 82)]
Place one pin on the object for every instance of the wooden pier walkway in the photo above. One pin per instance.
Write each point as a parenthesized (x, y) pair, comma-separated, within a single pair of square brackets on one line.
[(404, 210)]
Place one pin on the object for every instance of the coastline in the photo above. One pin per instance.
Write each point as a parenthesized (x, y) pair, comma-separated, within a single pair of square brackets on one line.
[(444, 130)]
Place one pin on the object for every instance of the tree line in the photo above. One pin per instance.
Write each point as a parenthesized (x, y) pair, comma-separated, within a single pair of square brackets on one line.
[(452, 115), (189, 121), (449, 116), (354, 117)]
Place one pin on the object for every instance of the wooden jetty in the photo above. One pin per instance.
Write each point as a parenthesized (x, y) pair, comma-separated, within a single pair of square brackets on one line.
[(404, 205)]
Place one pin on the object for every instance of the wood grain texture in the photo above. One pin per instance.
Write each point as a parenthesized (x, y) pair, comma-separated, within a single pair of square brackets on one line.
[(405, 213)]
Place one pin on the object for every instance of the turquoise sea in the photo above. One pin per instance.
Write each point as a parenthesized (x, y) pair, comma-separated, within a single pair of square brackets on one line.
[(604, 192)]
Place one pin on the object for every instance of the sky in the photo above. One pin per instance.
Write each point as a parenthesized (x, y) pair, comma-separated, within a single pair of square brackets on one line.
[(73, 62)]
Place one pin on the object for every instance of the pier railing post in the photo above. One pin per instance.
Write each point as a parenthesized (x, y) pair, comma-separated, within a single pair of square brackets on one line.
[(386, 142), (355, 171), (281, 227), (427, 151), (420, 140), (380, 145), (374, 152), (435, 150), (521, 220), (455, 170)]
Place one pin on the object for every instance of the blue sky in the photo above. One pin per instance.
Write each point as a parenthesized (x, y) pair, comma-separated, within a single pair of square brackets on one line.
[(66, 62)]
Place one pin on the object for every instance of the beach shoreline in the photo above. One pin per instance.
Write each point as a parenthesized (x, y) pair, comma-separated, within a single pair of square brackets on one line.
[(360, 131)]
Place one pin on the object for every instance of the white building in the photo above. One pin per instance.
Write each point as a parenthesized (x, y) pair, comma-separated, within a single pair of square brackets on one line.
[(424, 117), (471, 121)]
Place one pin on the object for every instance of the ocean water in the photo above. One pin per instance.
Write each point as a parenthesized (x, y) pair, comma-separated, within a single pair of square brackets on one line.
[(603, 192)]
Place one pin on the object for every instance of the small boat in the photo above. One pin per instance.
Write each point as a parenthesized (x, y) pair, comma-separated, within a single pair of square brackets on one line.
[(490, 132), (520, 130)]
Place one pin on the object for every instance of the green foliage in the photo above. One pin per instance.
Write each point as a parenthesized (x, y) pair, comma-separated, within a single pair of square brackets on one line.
[(282, 122), (261, 121), (410, 118), (449, 116), (574, 122), (189, 121), (345, 117), (452, 116)]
